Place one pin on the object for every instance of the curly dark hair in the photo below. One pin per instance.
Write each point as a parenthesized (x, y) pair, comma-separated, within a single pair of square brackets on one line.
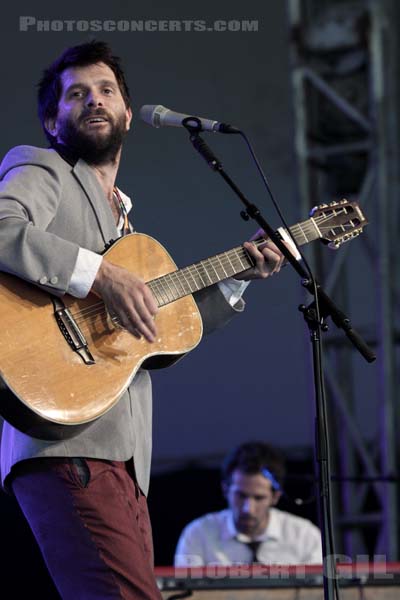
[(90, 53), (252, 458)]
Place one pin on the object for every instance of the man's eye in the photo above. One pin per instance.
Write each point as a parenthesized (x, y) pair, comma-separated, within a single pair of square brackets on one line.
[(77, 94), (240, 495), (108, 91)]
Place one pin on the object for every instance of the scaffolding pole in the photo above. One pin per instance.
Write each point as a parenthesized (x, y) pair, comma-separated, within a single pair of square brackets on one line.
[(344, 71)]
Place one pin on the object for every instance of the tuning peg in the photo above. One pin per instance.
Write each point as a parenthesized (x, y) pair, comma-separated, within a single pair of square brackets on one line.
[(316, 208), (334, 203), (335, 244)]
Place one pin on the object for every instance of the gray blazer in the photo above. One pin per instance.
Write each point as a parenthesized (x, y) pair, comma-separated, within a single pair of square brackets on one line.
[(48, 209)]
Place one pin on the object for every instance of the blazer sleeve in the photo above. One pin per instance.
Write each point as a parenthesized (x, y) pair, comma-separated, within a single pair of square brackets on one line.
[(30, 193), (215, 310)]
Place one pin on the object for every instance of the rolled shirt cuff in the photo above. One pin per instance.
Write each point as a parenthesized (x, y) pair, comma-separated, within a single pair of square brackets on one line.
[(233, 289), (85, 271)]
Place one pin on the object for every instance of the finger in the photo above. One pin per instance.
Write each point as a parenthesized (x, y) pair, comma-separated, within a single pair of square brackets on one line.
[(125, 322), (146, 316), (139, 328), (269, 245), (142, 319), (272, 260), (150, 302), (267, 261), (254, 253)]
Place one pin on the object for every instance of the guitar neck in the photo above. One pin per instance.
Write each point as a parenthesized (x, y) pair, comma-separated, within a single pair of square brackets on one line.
[(205, 273)]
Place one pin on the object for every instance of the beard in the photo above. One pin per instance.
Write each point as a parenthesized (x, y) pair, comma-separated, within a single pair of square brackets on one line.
[(94, 147)]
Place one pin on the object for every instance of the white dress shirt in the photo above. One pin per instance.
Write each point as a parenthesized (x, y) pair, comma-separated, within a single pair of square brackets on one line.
[(213, 540)]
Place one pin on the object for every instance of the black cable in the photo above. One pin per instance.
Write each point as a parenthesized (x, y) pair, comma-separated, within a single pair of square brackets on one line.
[(180, 595)]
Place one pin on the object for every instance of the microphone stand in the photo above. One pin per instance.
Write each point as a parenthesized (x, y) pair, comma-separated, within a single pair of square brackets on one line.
[(315, 315)]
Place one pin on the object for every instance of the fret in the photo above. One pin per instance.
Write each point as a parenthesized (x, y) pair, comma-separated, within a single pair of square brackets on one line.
[(197, 277), (196, 285), (243, 259), (303, 238), (157, 288), (181, 281), (209, 271), (215, 278), (155, 291), (201, 272), (171, 279), (224, 273), (168, 290), (189, 287), (313, 231), (233, 270), (205, 272), (164, 294), (298, 231), (178, 284)]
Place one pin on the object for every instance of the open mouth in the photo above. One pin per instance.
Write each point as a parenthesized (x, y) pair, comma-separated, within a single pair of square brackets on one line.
[(95, 120)]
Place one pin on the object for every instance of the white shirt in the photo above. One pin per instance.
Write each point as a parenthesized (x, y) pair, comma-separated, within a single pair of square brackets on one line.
[(88, 263), (213, 539)]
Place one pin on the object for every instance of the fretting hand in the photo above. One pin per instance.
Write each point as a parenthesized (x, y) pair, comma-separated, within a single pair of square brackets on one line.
[(268, 259)]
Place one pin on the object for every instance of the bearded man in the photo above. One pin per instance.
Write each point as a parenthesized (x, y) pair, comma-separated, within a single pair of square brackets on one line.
[(85, 497)]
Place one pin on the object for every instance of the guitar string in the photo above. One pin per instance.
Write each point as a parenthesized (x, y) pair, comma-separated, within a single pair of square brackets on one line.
[(213, 261), (220, 261), (167, 293), (159, 288), (164, 292)]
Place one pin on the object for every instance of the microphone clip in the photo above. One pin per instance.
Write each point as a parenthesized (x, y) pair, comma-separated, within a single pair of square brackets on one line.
[(194, 127)]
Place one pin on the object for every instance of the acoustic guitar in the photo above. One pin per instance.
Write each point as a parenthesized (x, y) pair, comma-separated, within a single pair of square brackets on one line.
[(65, 361)]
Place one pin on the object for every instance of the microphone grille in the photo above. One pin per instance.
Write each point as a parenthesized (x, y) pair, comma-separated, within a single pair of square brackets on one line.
[(150, 113)]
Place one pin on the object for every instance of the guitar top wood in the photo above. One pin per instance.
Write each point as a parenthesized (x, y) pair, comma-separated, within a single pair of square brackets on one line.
[(39, 366)]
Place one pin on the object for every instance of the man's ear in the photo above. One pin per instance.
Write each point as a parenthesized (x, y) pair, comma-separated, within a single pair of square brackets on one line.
[(225, 489), (275, 498), (50, 125), (129, 116)]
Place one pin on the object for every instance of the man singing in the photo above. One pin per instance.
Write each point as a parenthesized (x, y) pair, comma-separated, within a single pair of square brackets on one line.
[(85, 497)]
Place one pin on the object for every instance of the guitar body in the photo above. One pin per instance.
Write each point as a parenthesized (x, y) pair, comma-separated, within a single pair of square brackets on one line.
[(65, 362), (54, 392)]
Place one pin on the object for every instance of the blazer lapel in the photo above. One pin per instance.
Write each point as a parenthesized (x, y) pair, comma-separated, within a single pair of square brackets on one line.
[(97, 199)]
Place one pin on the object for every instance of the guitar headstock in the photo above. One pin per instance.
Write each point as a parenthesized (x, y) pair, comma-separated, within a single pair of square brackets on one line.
[(338, 222)]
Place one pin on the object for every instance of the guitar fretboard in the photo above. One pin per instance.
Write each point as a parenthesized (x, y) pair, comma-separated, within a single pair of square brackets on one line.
[(193, 278)]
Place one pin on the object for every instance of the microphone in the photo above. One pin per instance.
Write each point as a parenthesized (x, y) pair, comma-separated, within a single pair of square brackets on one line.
[(159, 116)]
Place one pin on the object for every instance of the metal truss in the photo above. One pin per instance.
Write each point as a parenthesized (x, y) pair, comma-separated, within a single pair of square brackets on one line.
[(344, 71)]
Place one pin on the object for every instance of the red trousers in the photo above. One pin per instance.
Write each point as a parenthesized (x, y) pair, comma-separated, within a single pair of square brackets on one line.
[(92, 525)]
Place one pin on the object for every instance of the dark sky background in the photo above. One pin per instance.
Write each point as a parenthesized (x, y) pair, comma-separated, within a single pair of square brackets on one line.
[(252, 379)]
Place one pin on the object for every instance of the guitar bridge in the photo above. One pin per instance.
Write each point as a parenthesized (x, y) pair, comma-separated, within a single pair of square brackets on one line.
[(71, 331)]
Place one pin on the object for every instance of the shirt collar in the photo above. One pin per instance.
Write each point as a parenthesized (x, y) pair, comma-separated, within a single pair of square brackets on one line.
[(272, 531), (127, 202)]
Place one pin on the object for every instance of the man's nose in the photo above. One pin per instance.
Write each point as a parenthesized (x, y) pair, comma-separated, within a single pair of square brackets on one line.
[(248, 506), (94, 99)]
